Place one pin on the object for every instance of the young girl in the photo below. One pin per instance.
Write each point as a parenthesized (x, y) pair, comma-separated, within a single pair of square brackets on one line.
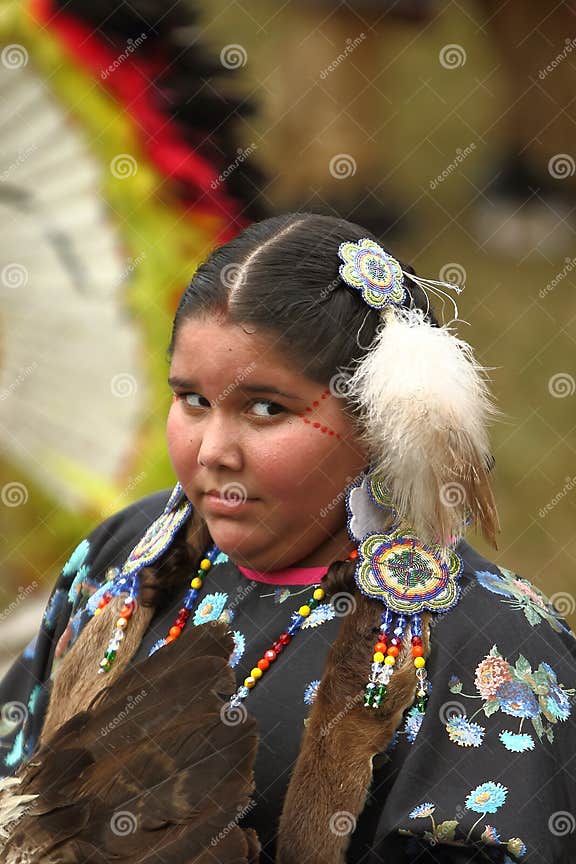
[(412, 700)]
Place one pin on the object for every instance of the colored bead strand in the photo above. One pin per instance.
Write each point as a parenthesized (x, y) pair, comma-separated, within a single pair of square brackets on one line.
[(419, 663), (122, 622), (298, 618), (380, 672), (189, 601)]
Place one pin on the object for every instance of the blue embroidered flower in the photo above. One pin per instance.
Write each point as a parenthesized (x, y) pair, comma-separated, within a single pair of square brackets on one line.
[(422, 811), (517, 699), (490, 834), (210, 608), (221, 558), (239, 648), (32, 701), (77, 558), (94, 599), (550, 672), (413, 723), (281, 594), (557, 703), (310, 692), (487, 798), (156, 646), (465, 733), (516, 742), (323, 612)]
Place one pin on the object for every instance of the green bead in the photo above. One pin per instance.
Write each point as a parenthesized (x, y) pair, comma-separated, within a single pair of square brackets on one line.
[(111, 656), (421, 704)]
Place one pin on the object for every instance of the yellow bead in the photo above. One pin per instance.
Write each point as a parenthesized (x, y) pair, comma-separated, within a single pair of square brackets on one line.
[(97, 611), (249, 681), (196, 582), (122, 623), (378, 657), (389, 660), (104, 662), (256, 672), (318, 594), (304, 611), (205, 564), (419, 662)]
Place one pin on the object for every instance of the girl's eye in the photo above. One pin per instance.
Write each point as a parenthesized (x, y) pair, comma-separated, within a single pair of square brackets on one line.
[(189, 398)]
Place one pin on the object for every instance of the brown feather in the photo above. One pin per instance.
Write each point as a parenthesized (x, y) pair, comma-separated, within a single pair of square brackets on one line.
[(151, 772)]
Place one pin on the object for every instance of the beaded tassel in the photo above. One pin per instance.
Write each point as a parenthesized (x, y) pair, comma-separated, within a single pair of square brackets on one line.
[(122, 621), (386, 650)]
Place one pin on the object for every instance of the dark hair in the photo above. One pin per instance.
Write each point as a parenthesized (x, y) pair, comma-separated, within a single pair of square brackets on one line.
[(280, 275)]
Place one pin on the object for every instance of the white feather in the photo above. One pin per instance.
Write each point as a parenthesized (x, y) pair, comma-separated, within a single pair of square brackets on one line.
[(425, 404)]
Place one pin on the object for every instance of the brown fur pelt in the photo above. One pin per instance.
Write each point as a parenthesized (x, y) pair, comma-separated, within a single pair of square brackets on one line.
[(333, 772)]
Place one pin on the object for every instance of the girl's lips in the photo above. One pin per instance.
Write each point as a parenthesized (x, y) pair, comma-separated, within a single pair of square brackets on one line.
[(226, 505)]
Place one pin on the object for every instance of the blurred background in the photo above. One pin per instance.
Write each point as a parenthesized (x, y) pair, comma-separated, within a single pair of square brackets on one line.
[(135, 137)]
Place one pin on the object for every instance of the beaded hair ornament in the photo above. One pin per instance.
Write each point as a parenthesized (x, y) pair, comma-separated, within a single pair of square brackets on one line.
[(424, 404)]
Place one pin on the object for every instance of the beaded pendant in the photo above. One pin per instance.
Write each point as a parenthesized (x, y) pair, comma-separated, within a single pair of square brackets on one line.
[(149, 548), (406, 576)]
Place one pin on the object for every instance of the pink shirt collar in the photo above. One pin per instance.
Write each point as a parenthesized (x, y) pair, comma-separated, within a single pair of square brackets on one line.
[(289, 576)]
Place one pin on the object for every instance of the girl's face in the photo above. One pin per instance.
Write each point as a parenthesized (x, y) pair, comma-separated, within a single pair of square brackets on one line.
[(275, 445)]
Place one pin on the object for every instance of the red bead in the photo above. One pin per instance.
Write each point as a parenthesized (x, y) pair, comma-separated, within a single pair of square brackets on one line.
[(277, 647), (353, 555), (285, 639), (263, 664), (393, 651), (395, 641), (380, 646), (416, 640), (417, 650), (184, 613), (174, 632), (270, 655)]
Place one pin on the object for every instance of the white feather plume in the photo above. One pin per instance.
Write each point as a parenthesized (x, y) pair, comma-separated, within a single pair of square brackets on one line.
[(425, 404)]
